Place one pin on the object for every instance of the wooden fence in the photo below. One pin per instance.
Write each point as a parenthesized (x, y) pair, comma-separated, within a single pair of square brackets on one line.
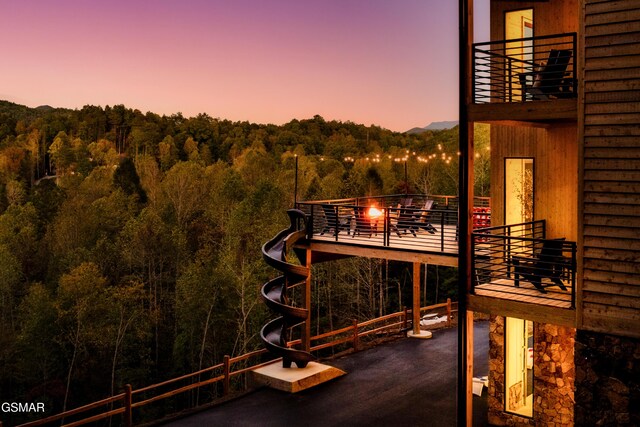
[(224, 372)]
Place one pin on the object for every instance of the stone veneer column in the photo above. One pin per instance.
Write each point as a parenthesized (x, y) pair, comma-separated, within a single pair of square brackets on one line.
[(607, 380), (554, 374), (553, 399)]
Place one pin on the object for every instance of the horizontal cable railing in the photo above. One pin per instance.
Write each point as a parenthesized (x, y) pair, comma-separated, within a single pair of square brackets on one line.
[(526, 69), (224, 372), (406, 222), (518, 262)]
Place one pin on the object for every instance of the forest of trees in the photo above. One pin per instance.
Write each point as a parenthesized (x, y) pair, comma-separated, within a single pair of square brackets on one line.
[(130, 242)]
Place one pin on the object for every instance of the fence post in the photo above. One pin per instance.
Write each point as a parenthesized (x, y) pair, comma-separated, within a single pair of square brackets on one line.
[(355, 335), (448, 312), (226, 362), (127, 406), (404, 319)]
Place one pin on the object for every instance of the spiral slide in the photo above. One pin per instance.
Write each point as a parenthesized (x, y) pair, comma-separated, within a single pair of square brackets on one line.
[(276, 333)]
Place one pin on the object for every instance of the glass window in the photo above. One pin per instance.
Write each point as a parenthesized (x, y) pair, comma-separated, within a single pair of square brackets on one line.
[(518, 24), (518, 360), (518, 190)]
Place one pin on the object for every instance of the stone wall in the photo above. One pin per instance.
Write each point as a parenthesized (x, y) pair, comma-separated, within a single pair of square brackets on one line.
[(553, 398), (607, 380), (554, 375)]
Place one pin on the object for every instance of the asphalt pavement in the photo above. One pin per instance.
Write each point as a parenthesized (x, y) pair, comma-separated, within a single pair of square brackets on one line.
[(409, 382)]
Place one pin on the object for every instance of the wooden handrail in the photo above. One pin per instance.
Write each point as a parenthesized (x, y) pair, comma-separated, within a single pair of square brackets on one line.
[(74, 411), (248, 355), (96, 417), (332, 333), (356, 330), (183, 377)]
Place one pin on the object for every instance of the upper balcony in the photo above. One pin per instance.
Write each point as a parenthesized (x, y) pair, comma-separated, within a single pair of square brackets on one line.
[(516, 267), (406, 227), (529, 79)]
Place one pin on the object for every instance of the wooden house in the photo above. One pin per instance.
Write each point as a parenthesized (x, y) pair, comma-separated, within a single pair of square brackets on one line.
[(559, 270)]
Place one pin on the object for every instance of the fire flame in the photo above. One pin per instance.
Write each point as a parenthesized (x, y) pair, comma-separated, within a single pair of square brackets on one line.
[(374, 212)]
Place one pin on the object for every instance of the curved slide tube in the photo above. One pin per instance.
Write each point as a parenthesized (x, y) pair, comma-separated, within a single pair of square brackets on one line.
[(274, 293)]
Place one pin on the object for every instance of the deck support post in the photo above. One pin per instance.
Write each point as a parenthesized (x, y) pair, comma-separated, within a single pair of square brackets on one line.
[(415, 312), (306, 330)]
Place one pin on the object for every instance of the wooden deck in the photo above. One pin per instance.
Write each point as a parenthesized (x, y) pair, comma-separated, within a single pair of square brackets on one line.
[(423, 247), (526, 293)]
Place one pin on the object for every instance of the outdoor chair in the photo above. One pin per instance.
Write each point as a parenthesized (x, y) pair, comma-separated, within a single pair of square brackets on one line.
[(406, 202), (423, 218), (334, 221), (549, 80), (363, 223), (413, 220), (548, 263), (405, 222)]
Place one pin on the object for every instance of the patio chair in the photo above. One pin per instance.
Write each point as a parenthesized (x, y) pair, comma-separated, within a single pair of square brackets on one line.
[(548, 263), (413, 220), (331, 215), (549, 79), (406, 221), (406, 202), (363, 223)]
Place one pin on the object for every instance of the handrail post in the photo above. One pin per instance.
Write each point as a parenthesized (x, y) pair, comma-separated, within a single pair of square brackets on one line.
[(404, 319), (475, 72), (573, 275), (474, 277), (336, 230), (310, 224), (442, 231), (226, 362), (574, 37), (448, 312), (387, 227), (355, 335), (127, 406), (510, 77)]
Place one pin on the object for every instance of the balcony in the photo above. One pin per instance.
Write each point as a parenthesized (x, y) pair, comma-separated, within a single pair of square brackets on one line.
[(529, 79), (401, 227), (519, 264)]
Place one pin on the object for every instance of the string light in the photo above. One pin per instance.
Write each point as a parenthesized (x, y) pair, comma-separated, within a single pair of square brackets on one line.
[(377, 158)]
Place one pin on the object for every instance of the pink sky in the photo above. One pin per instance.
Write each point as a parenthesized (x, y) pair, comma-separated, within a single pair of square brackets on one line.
[(383, 62)]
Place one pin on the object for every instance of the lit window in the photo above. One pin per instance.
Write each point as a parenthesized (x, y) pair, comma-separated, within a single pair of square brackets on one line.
[(518, 360)]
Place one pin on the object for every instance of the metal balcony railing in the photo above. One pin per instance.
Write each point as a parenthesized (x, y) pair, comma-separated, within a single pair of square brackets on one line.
[(415, 222), (526, 69), (518, 262)]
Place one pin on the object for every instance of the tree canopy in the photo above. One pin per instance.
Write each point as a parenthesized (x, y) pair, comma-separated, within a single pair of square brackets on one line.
[(130, 242)]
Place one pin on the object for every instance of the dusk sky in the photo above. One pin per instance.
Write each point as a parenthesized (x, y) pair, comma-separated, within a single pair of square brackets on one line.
[(392, 63)]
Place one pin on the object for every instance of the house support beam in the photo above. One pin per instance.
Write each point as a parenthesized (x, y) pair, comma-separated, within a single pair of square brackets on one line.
[(465, 180), (416, 332), (306, 330)]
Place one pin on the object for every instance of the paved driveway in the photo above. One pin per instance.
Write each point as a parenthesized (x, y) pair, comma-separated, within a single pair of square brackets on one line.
[(408, 382)]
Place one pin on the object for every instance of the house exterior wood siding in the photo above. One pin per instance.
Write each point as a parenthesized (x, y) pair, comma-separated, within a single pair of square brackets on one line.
[(609, 300), (555, 169)]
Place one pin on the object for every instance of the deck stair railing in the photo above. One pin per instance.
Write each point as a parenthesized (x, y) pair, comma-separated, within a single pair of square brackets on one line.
[(218, 381), (518, 258), (526, 69)]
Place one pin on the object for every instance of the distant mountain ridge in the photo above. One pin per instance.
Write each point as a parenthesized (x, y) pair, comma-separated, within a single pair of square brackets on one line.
[(441, 125), (434, 126)]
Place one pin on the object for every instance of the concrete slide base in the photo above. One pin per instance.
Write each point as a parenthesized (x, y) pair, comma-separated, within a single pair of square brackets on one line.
[(294, 379)]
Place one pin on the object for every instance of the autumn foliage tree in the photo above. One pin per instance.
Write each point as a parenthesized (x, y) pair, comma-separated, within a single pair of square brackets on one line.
[(130, 242)]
